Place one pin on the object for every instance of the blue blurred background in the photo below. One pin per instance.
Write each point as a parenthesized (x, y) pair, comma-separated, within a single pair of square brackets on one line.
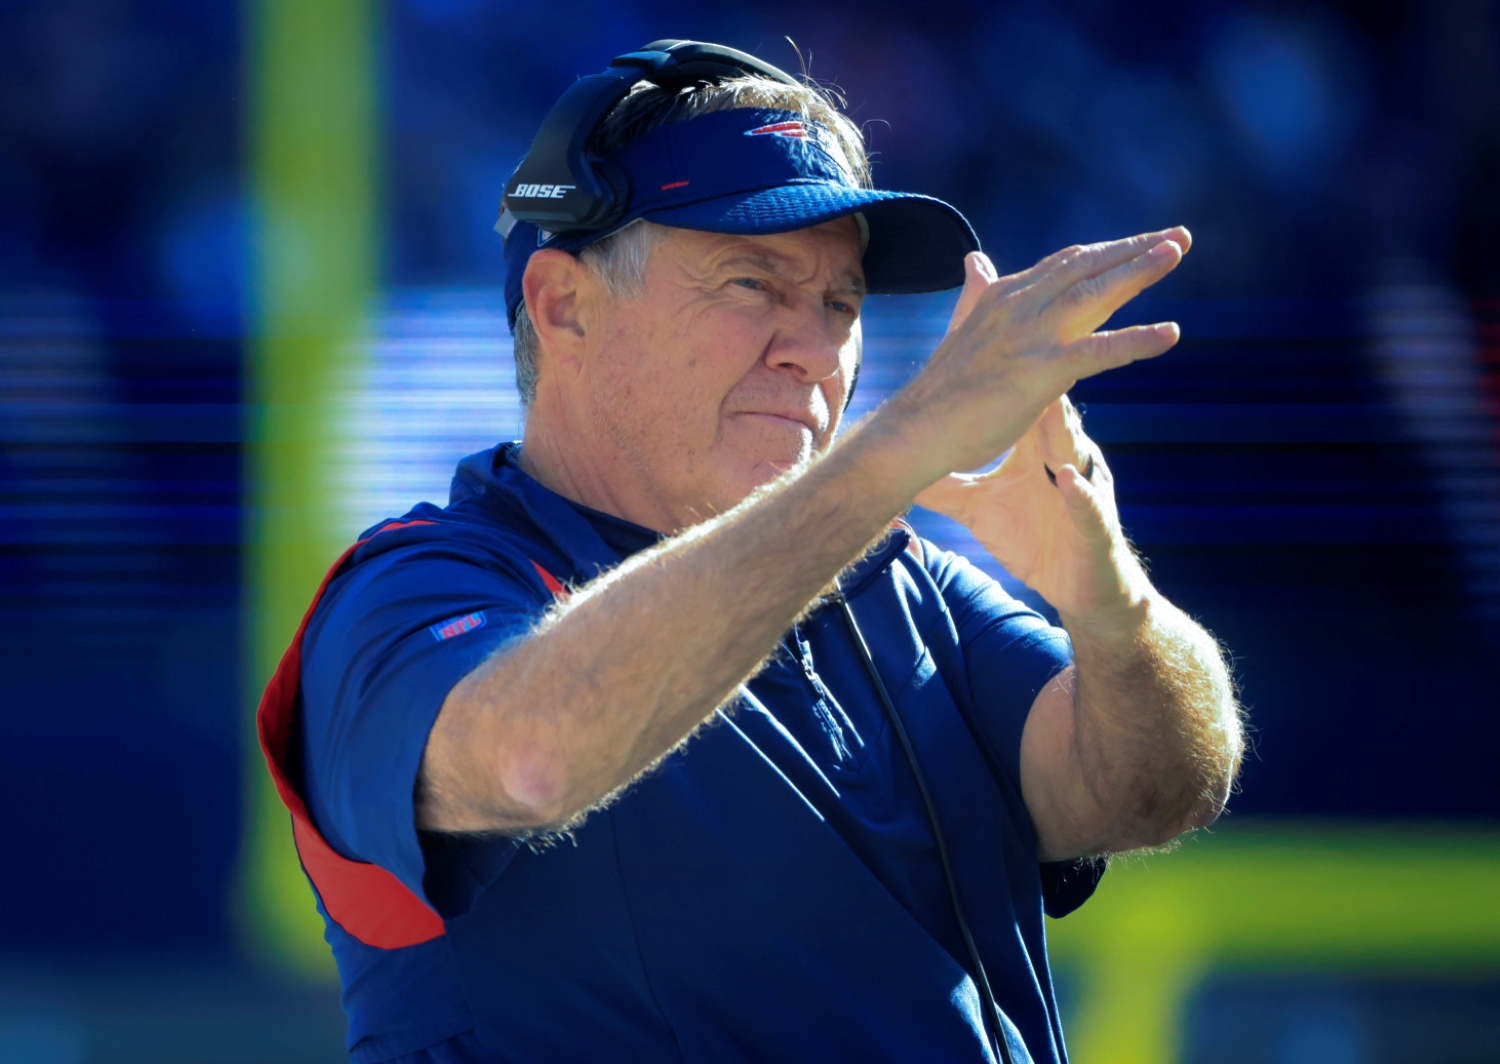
[(1314, 472)]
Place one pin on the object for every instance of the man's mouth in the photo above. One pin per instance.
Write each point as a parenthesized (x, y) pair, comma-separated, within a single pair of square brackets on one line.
[(801, 421)]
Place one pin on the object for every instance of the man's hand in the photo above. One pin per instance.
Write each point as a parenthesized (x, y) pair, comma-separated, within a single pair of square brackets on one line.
[(1020, 342), (1054, 529), (1140, 739)]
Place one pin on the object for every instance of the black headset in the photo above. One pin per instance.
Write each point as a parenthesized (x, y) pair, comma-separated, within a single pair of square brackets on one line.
[(559, 187)]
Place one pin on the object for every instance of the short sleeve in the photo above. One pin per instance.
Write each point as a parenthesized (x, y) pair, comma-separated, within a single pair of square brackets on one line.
[(389, 640), (1010, 651)]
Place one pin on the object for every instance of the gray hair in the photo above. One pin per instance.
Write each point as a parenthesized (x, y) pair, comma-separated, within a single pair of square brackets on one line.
[(620, 259)]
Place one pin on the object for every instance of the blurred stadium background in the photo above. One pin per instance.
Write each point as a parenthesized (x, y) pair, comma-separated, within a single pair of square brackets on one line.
[(249, 304)]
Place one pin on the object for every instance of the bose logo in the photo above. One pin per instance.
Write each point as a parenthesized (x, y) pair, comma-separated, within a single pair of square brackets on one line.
[(541, 191)]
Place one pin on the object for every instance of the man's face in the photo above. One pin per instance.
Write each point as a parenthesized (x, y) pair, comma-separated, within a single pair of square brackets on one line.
[(731, 367)]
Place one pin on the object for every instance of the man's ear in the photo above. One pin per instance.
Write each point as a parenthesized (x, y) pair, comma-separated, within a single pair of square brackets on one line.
[(555, 288)]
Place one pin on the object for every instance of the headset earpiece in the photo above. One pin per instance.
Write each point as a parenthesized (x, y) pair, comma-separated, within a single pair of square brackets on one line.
[(558, 186), (618, 183)]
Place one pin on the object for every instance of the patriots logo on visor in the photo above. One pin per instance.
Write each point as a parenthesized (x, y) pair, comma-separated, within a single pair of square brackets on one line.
[(795, 130)]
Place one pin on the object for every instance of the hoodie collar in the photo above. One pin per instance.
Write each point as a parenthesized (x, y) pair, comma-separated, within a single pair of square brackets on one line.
[(494, 474), (862, 573)]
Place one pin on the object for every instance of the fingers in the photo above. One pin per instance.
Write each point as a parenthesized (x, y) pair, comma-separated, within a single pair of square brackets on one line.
[(1068, 454), (1063, 444), (1100, 351), (1089, 304), (1061, 270), (1085, 504), (1004, 347), (1061, 437), (979, 274)]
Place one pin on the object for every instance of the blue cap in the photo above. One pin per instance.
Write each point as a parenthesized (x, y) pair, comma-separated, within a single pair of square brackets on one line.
[(752, 170)]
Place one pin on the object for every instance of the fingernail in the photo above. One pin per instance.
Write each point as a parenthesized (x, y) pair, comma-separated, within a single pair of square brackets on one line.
[(1170, 330), (985, 266), (1166, 249)]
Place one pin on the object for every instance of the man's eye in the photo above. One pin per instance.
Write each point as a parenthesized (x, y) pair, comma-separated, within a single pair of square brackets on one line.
[(750, 282), (839, 306)]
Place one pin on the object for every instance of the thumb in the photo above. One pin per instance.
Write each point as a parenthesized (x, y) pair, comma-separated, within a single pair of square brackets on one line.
[(949, 496), (1084, 505), (979, 274)]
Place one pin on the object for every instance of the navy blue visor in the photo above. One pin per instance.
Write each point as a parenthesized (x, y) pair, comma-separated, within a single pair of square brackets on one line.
[(751, 170)]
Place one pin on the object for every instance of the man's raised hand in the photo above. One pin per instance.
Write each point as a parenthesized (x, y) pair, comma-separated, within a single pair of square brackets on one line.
[(1017, 343)]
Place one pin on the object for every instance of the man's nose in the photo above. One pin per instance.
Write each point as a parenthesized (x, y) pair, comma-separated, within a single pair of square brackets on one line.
[(807, 341)]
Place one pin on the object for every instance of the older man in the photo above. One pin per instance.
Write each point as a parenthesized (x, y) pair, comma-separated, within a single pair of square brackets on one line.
[(662, 741)]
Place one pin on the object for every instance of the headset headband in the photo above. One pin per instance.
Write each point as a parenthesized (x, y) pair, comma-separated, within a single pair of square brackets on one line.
[(567, 190)]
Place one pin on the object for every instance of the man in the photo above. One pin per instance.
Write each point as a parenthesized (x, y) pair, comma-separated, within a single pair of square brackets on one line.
[(597, 762)]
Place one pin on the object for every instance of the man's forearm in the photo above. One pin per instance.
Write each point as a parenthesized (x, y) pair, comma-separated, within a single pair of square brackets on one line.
[(621, 673), (1156, 729)]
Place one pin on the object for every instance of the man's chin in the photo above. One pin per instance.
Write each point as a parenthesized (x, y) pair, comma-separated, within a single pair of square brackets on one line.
[(755, 463), (774, 469), (768, 470)]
